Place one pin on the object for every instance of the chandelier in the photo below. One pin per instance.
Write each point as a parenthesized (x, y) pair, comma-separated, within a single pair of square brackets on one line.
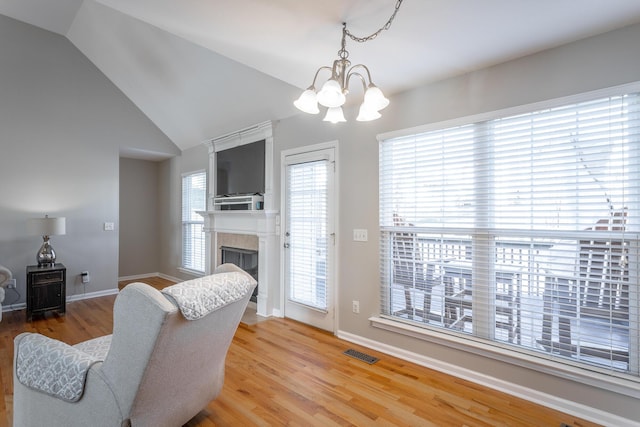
[(334, 91)]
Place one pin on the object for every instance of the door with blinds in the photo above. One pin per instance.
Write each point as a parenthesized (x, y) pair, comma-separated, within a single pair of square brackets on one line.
[(309, 238)]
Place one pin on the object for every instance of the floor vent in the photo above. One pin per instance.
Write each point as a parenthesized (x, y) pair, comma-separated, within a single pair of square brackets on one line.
[(361, 356)]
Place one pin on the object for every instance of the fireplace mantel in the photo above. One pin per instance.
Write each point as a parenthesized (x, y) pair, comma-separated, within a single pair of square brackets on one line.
[(263, 223)]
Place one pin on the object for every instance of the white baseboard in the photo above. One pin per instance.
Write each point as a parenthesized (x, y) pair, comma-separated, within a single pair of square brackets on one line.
[(170, 278), (554, 402), (96, 294), (70, 298), (147, 275), (14, 307), (88, 295)]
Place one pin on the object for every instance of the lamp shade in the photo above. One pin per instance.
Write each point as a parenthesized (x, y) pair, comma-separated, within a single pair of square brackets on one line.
[(47, 226), (367, 114), (374, 98), (331, 94), (307, 102), (334, 115)]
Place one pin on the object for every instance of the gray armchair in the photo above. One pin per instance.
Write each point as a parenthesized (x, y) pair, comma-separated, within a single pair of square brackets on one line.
[(5, 276), (163, 363)]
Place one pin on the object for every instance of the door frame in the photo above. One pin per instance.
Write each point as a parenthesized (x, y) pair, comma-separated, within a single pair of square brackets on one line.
[(336, 220)]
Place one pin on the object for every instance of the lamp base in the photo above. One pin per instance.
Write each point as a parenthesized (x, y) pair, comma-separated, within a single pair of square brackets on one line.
[(46, 256)]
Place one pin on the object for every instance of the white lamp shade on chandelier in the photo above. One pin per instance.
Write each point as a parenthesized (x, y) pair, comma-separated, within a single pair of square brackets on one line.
[(308, 102), (331, 95), (334, 115), (366, 114), (374, 98)]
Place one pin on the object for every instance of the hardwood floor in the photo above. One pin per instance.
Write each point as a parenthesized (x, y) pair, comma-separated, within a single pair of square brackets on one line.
[(280, 372)]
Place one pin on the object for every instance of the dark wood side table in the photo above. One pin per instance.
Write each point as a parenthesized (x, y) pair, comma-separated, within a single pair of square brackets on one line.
[(46, 289)]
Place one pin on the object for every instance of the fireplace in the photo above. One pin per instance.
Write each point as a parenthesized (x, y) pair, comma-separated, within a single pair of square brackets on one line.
[(246, 259), (247, 230)]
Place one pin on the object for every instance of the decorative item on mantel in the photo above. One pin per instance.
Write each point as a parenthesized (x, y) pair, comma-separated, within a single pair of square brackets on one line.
[(333, 93), (46, 227)]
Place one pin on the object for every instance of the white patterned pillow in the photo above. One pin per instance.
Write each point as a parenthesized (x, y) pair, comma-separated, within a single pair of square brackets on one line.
[(198, 297), (52, 367)]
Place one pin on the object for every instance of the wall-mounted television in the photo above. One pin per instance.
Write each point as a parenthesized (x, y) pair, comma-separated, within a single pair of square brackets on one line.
[(240, 170)]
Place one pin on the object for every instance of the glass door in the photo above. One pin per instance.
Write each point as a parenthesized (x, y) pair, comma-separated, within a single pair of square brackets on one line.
[(309, 238)]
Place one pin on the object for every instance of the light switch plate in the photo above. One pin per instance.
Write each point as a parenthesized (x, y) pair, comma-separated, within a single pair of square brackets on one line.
[(360, 235)]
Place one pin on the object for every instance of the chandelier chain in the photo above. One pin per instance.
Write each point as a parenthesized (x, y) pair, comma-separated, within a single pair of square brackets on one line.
[(374, 35)]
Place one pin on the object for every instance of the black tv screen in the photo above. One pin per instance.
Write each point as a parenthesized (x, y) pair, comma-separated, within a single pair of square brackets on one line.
[(240, 170)]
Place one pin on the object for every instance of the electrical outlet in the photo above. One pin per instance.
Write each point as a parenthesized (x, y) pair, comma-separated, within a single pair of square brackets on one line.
[(356, 307), (85, 277), (11, 284), (109, 226), (360, 235)]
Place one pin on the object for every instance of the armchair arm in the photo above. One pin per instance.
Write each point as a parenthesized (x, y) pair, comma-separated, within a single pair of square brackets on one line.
[(198, 297), (51, 366), (5, 274)]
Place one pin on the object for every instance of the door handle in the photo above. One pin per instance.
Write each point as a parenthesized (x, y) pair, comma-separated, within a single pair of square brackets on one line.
[(286, 246)]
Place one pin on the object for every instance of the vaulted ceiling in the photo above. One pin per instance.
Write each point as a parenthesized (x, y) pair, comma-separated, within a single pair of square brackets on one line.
[(203, 68)]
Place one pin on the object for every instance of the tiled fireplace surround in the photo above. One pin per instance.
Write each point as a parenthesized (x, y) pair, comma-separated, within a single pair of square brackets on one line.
[(247, 229)]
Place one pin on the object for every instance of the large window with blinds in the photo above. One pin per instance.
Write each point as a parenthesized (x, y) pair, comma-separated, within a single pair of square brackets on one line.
[(194, 189), (520, 231)]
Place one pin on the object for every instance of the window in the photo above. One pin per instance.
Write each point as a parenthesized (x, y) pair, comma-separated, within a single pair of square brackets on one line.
[(194, 188), (520, 232)]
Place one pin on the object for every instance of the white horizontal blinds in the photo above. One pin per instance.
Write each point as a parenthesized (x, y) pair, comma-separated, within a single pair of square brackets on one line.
[(413, 263), (544, 207), (193, 239), (579, 157), (414, 170), (415, 173), (569, 176), (308, 239)]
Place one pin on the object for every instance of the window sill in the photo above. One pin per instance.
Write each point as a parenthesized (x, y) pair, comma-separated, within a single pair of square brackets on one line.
[(603, 380)]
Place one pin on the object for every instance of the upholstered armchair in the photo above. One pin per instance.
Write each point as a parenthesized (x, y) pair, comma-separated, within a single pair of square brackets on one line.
[(5, 276), (163, 363)]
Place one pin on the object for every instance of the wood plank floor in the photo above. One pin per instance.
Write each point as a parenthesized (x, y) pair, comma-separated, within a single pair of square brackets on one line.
[(280, 372)]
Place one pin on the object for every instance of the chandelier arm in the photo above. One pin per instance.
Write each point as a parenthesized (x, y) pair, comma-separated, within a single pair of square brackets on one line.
[(351, 71), (324, 67), (374, 35)]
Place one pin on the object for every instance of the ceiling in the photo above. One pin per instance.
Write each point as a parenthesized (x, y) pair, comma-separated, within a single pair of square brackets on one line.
[(203, 68)]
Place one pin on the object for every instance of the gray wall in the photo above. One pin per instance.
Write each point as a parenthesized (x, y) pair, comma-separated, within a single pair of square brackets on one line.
[(62, 124), (604, 61), (171, 171), (139, 234)]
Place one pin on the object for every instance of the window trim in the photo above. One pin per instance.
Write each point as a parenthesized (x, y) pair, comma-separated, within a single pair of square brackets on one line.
[(585, 374), (510, 111)]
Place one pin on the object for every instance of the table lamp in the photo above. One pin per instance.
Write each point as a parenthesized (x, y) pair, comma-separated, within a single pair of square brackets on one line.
[(46, 227)]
